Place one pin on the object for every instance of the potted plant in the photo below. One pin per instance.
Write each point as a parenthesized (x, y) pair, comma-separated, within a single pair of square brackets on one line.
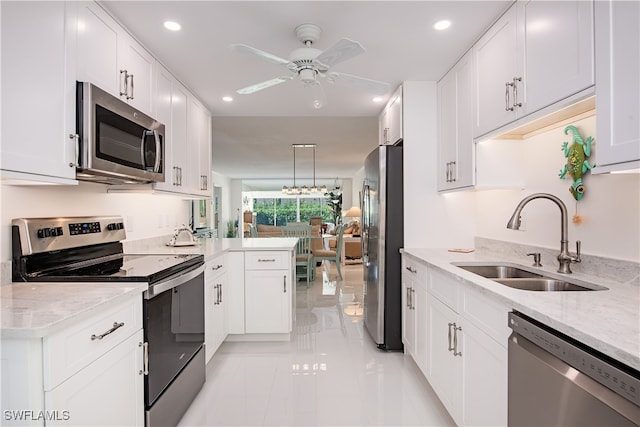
[(335, 205)]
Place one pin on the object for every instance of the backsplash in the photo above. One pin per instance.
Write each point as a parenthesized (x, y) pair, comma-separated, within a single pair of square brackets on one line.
[(607, 268)]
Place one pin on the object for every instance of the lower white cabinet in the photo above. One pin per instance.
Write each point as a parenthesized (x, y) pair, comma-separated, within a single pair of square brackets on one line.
[(108, 392), (215, 286), (89, 373), (268, 292), (414, 310), (467, 351), (261, 295)]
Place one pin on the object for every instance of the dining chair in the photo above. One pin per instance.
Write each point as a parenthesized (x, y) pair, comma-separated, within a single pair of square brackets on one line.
[(331, 255), (304, 257)]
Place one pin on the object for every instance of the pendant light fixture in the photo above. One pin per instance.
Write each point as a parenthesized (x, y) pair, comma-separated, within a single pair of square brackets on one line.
[(304, 189)]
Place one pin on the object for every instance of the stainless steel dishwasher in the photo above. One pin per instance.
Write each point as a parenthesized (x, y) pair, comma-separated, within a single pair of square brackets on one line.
[(557, 381)]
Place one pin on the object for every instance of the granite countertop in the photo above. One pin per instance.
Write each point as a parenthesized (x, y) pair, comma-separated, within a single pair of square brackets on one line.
[(606, 320), (37, 309)]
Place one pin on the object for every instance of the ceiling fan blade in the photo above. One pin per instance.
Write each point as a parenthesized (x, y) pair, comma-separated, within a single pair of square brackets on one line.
[(372, 86), (339, 52), (243, 48), (263, 85)]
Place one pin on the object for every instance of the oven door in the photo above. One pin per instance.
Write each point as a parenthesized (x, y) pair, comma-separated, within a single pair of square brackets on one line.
[(117, 142), (173, 328)]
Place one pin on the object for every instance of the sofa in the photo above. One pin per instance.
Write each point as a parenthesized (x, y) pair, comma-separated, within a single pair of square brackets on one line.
[(276, 231)]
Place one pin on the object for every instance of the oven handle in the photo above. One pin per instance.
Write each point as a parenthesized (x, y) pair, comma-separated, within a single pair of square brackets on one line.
[(173, 282)]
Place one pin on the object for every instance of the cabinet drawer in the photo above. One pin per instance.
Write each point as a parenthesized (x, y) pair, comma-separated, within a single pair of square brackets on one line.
[(267, 260), (444, 287), (73, 348), (414, 269), (488, 315), (216, 267)]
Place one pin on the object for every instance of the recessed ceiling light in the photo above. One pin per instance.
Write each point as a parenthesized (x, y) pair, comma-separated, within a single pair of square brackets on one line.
[(377, 99), (172, 26), (442, 25), (227, 98)]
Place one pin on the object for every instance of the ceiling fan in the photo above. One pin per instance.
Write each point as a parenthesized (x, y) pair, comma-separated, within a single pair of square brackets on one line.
[(307, 63)]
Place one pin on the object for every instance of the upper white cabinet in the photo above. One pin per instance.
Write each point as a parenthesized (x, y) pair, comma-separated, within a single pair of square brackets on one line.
[(171, 109), (390, 120), (38, 102), (199, 137), (110, 58), (536, 54), (455, 127), (617, 85)]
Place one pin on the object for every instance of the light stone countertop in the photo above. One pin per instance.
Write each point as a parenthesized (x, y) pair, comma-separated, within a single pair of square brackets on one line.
[(211, 248), (606, 320), (38, 309)]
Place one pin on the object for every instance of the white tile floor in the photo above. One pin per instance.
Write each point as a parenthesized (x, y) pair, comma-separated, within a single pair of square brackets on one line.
[(329, 374)]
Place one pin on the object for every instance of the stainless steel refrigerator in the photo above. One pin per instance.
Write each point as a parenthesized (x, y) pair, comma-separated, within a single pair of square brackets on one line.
[(382, 238)]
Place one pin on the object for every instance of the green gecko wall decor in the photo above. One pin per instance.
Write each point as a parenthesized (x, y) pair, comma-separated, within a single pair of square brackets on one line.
[(577, 164)]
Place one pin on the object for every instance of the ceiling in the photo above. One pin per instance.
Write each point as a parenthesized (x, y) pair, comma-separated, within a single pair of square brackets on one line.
[(252, 135)]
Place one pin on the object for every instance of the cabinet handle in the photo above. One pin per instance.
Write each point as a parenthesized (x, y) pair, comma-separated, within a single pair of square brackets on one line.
[(507, 102), (453, 171), (220, 293), (455, 340), (449, 334), (447, 172), (123, 93), (145, 366), (284, 282), (75, 164), (386, 135), (406, 295), (412, 270), (413, 292), (266, 260), (179, 176), (116, 326), (130, 95), (515, 92), (217, 267)]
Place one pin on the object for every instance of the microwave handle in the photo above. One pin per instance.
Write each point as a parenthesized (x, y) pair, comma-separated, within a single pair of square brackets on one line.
[(156, 135), (156, 166)]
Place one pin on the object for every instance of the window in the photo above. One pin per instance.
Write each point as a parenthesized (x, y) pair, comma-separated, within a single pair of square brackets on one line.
[(281, 210)]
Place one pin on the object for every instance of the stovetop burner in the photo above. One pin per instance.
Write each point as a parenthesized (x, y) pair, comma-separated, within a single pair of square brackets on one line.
[(86, 249)]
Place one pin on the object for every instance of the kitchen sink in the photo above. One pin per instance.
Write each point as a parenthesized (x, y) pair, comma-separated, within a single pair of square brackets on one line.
[(524, 278)]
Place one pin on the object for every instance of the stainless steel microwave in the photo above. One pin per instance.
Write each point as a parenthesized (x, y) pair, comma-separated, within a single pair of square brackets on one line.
[(117, 144)]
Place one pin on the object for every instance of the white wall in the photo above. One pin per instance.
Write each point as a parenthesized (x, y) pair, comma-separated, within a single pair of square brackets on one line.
[(431, 220), (145, 215), (610, 209)]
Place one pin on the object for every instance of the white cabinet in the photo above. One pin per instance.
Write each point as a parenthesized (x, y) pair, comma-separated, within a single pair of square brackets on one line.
[(390, 120), (171, 109), (108, 392), (467, 353), (215, 330), (268, 292), (235, 294), (36, 123), (617, 85), (199, 137), (414, 310), (89, 373), (110, 58), (456, 167), (516, 73)]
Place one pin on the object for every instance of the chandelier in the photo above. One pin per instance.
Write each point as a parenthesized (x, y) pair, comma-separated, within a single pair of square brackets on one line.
[(295, 190)]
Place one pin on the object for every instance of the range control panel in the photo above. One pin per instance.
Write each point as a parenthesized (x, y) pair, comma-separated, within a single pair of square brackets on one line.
[(38, 235)]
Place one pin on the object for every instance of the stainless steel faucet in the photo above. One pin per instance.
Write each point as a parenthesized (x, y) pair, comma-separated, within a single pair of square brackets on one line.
[(565, 258)]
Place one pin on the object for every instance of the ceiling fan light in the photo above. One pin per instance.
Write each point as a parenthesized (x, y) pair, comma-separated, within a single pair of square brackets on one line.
[(315, 95)]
